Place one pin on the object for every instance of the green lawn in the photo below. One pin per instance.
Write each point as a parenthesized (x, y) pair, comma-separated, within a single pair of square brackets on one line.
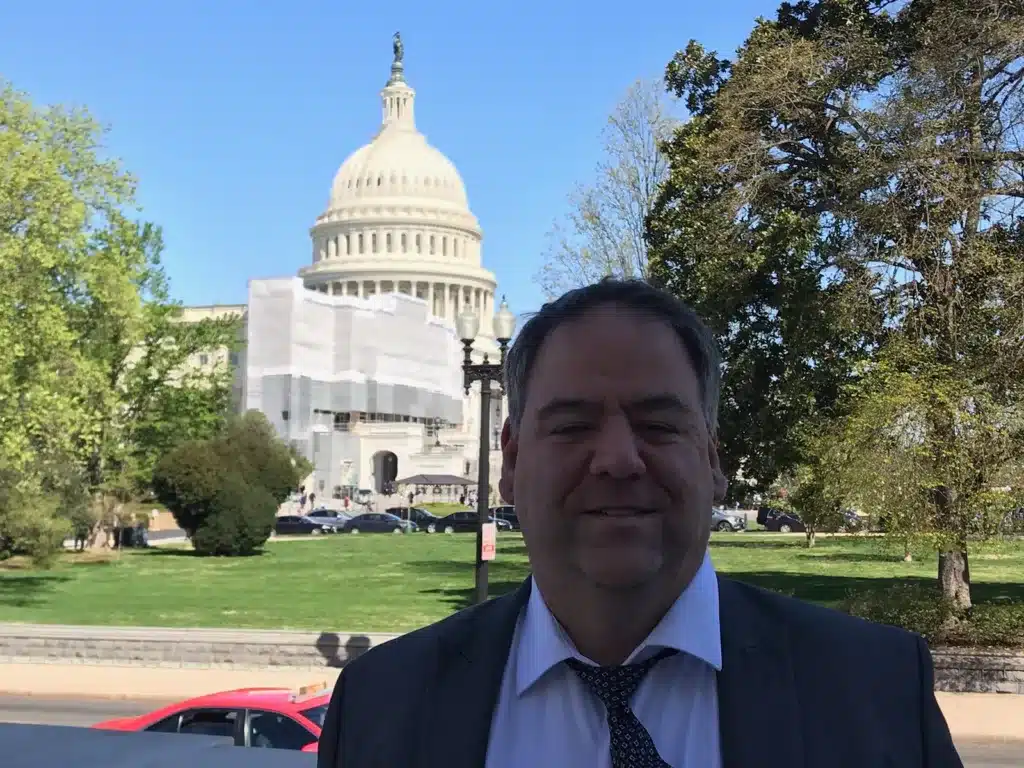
[(392, 583)]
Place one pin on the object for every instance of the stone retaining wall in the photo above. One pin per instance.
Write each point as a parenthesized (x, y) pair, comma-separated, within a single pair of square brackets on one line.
[(979, 671), (957, 670), (21, 643)]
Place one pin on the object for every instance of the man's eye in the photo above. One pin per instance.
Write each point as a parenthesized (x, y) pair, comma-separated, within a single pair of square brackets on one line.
[(569, 429), (659, 427)]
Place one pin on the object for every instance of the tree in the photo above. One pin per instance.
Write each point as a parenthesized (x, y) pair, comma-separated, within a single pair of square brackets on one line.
[(815, 500), (603, 232), (148, 395), (91, 354), (55, 194), (885, 142)]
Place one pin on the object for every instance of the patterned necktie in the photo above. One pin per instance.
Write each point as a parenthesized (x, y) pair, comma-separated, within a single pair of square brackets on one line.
[(631, 744)]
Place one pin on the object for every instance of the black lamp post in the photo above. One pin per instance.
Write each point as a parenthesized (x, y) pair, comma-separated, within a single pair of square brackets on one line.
[(487, 373)]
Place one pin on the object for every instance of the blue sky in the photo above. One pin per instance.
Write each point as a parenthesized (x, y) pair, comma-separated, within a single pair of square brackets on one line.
[(235, 115)]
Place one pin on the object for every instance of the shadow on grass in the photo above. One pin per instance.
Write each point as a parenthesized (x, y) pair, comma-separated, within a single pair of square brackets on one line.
[(737, 542), (867, 556), (460, 598), (838, 550), (168, 552), (502, 577), (19, 591), (183, 552), (832, 590)]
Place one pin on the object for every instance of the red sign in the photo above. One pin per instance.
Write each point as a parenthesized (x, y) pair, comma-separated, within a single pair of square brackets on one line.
[(489, 545)]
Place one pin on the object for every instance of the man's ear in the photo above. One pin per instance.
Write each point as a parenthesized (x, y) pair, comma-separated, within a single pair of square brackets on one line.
[(721, 484), (509, 453)]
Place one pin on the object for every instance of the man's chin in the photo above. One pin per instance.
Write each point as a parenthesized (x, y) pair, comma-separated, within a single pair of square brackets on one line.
[(625, 572)]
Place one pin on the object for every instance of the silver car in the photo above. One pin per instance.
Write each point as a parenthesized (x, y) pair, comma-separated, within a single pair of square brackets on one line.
[(728, 520)]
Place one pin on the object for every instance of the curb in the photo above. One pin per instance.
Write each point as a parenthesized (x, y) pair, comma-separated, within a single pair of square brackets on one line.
[(77, 696)]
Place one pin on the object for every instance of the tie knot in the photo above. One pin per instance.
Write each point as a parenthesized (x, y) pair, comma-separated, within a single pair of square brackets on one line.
[(615, 686)]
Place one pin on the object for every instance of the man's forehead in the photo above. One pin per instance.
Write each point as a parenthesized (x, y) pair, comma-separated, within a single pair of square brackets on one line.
[(632, 356)]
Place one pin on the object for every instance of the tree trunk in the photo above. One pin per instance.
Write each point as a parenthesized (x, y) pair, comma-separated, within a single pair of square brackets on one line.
[(810, 538), (955, 579)]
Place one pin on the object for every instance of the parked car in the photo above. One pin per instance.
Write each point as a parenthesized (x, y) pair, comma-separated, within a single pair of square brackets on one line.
[(784, 522), (299, 524), (466, 522), (763, 513), (424, 519), (378, 522), (728, 520), (508, 514), (852, 522), (330, 516), (271, 718)]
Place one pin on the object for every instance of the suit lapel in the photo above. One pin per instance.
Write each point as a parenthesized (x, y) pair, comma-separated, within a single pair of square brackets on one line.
[(756, 687), (470, 665)]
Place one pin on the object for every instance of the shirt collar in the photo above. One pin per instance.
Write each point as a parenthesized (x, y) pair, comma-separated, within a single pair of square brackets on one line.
[(691, 626)]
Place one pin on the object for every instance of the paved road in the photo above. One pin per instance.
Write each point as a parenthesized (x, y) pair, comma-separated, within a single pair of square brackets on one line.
[(49, 711)]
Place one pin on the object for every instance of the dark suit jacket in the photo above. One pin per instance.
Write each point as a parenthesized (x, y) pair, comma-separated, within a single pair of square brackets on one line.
[(801, 687)]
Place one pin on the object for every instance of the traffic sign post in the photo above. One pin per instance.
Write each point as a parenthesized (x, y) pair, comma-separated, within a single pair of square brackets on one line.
[(489, 541)]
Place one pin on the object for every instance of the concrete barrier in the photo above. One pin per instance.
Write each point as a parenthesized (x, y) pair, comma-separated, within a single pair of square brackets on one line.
[(150, 646), (973, 670), (956, 670)]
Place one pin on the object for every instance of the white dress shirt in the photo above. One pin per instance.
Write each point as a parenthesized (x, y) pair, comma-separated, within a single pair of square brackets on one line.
[(546, 716)]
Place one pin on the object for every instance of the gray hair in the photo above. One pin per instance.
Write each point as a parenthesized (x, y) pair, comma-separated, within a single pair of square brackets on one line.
[(637, 295)]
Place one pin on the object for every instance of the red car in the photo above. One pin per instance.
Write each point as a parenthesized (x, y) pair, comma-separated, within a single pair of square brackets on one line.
[(271, 718)]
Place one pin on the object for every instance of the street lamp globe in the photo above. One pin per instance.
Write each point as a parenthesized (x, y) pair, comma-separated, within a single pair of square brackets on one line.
[(504, 322), (467, 324)]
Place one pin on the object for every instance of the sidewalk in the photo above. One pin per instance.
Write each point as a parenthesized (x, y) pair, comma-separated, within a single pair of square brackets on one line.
[(110, 681), (970, 715)]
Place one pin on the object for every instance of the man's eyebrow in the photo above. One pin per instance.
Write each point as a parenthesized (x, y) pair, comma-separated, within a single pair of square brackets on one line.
[(660, 402), (561, 405)]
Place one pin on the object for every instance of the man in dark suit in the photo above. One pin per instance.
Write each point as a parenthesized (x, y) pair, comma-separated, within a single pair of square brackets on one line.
[(624, 648)]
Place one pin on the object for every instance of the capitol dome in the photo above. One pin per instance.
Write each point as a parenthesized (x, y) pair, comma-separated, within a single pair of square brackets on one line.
[(398, 164), (398, 219)]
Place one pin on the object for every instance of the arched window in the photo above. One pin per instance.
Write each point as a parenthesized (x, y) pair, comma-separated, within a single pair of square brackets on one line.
[(361, 242), (405, 244), (419, 244), (387, 241), (373, 242)]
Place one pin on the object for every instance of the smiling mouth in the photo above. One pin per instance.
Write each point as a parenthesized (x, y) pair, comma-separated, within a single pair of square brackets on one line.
[(620, 512)]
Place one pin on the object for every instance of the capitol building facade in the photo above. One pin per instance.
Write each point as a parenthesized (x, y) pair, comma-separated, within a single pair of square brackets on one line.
[(356, 360)]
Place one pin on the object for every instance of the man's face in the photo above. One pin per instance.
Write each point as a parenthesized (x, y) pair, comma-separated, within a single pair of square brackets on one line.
[(612, 471)]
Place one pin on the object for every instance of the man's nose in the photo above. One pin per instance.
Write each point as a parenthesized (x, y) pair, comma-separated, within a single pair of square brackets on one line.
[(615, 450)]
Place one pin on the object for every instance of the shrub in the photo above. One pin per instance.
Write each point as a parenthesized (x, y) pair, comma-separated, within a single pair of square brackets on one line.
[(922, 609), (250, 445), (224, 492), (239, 519), (31, 525), (186, 481)]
